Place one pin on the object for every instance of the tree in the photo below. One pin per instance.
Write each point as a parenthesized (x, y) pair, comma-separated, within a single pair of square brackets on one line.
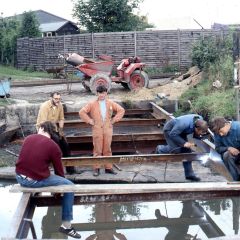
[(8, 39), (109, 15), (29, 25)]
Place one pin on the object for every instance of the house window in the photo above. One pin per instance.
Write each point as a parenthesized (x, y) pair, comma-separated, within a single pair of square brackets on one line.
[(49, 34)]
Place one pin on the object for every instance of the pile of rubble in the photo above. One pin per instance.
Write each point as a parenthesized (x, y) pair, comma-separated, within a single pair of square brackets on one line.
[(172, 88)]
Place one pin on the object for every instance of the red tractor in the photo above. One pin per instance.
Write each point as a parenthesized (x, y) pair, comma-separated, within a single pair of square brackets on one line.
[(129, 73)]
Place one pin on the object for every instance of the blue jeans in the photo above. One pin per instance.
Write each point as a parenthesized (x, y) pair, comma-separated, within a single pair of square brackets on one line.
[(53, 180)]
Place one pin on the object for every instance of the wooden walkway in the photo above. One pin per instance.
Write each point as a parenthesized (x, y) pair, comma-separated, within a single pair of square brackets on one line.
[(109, 189), (161, 172)]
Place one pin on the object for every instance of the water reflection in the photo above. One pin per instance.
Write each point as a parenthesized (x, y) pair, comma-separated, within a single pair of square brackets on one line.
[(170, 220), (51, 222), (104, 213), (179, 230), (236, 213), (180, 220)]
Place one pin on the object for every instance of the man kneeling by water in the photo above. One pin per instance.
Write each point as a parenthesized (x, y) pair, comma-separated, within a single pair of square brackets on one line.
[(227, 143), (38, 152), (176, 131)]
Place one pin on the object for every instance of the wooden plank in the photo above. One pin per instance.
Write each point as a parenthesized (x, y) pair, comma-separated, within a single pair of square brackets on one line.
[(19, 215), (160, 112), (133, 159), (105, 189)]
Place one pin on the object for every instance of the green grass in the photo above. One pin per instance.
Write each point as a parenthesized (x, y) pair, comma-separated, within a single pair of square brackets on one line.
[(20, 74)]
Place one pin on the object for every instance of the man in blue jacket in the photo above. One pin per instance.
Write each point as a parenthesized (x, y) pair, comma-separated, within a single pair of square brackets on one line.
[(176, 131), (227, 143)]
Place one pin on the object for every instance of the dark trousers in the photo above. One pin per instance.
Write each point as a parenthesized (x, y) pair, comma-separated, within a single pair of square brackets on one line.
[(173, 147), (231, 163), (62, 143)]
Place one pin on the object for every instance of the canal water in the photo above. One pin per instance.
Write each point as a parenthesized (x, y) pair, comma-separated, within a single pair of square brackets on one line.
[(168, 220)]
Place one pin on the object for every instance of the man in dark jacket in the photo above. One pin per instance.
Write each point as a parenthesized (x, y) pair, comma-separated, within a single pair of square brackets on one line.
[(176, 131), (227, 143)]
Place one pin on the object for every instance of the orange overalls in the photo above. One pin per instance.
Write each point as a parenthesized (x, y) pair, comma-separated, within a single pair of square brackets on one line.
[(102, 130)]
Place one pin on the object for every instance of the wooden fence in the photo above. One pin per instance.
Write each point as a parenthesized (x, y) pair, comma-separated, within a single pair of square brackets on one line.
[(156, 48)]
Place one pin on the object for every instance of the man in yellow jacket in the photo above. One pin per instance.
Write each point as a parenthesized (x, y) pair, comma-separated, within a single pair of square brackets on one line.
[(52, 110), (99, 114)]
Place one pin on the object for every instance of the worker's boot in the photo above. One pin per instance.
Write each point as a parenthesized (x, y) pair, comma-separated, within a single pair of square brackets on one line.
[(70, 170), (96, 172), (189, 173)]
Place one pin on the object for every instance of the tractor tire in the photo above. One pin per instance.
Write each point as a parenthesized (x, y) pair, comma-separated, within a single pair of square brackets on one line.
[(99, 79), (125, 85), (138, 79), (86, 86)]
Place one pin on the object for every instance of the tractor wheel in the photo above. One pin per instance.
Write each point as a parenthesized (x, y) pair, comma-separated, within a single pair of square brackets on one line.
[(125, 85), (100, 79), (86, 85), (138, 79)]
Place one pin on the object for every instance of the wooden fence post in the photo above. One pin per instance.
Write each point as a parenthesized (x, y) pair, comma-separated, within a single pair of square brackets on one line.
[(93, 48), (179, 49), (135, 43)]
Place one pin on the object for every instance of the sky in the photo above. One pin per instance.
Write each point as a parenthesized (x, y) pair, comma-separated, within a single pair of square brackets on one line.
[(164, 14)]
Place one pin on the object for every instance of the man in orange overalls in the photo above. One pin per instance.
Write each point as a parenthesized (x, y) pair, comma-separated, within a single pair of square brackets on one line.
[(99, 114)]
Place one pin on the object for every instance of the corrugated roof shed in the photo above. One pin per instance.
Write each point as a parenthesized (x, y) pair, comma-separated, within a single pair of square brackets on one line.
[(46, 17), (51, 27)]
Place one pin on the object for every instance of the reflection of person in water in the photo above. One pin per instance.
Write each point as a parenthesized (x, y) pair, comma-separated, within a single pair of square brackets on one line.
[(104, 213), (107, 235), (51, 222), (236, 213), (191, 209)]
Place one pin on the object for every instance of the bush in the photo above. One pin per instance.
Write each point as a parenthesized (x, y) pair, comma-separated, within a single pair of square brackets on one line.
[(151, 71), (204, 52), (210, 50), (217, 104), (209, 105), (214, 57), (170, 69), (154, 71)]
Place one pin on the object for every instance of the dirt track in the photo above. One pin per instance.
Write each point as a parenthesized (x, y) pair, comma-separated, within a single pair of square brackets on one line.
[(74, 93)]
